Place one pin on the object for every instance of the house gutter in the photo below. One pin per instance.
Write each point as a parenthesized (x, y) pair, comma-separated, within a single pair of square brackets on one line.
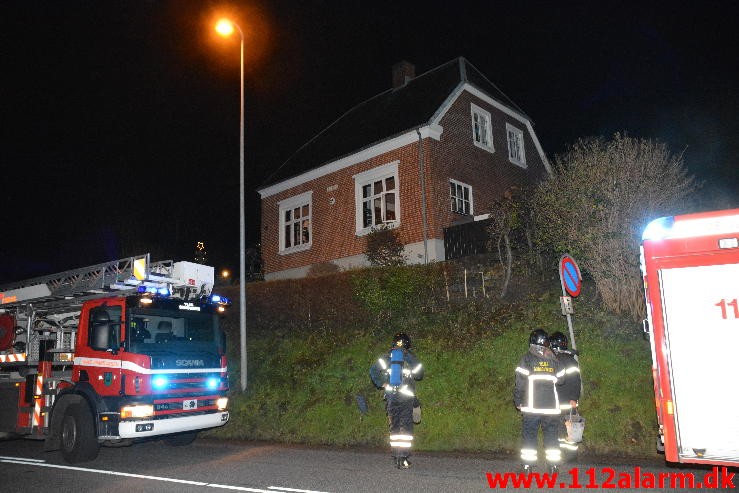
[(422, 180)]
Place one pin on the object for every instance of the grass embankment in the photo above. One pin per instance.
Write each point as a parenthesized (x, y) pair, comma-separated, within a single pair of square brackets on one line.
[(303, 386)]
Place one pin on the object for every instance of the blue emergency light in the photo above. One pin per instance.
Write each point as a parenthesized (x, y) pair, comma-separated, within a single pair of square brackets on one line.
[(154, 290), (219, 300), (659, 228), (159, 382)]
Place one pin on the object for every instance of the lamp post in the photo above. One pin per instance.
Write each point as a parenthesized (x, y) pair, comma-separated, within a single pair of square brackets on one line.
[(226, 27)]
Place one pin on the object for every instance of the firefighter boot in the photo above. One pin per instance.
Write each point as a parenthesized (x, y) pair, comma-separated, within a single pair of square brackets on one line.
[(402, 463)]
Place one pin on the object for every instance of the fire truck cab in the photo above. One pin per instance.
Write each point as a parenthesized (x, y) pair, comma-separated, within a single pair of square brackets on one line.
[(113, 353), (690, 265)]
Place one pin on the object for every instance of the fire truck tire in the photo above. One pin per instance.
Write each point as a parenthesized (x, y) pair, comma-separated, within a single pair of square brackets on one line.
[(79, 443), (181, 439)]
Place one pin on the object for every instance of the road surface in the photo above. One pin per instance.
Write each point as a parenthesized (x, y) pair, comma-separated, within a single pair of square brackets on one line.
[(212, 466)]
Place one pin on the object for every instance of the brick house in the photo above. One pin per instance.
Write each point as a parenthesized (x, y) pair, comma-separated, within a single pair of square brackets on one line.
[(431, 152)]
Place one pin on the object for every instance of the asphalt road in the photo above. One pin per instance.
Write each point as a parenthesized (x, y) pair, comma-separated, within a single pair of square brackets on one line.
[(216, 466)]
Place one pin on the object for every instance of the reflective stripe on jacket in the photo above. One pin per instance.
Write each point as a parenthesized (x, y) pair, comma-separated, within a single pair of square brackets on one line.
[(412, 370), (537, 379), (570, 390)]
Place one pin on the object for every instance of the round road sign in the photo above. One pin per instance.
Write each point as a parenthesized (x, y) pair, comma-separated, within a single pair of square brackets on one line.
[(569, 275)]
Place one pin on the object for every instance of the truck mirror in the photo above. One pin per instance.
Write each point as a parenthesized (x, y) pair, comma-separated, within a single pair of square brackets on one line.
[(104, 337), (100, 336)]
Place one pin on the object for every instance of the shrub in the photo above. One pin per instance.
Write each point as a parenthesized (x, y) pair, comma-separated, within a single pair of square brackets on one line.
[(384, 248)]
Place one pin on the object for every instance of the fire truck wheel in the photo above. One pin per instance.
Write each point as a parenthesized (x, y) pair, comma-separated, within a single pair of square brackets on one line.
[(79, 443), (181, 439)]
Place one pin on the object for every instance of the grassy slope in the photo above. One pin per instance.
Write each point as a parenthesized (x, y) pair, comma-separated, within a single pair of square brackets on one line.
[(303, 387)]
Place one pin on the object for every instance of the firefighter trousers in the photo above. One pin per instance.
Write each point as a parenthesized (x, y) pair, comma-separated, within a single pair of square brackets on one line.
[(400, 417), (550, 426)]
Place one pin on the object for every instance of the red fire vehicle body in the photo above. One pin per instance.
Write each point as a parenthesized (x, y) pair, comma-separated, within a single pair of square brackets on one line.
[(112, 353), (690, 265)]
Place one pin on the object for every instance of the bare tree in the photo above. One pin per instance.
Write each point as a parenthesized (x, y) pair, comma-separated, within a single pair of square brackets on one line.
[(506, 216), (596, 204)]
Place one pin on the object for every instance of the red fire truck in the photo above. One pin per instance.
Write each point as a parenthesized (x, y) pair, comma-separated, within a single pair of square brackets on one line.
[(112, 353), (690, 265)]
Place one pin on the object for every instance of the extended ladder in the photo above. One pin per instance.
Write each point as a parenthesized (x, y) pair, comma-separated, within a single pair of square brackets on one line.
[(67, 290), (48, 307)]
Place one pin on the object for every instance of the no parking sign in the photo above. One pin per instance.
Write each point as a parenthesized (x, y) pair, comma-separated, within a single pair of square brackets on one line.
[(571, 280), (569, 275)]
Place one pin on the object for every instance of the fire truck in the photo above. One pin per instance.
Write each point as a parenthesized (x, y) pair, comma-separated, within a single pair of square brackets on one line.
[(112, 354), (690, 265)]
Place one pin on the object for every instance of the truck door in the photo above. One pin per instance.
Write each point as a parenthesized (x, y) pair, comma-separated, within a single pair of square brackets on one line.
[(98, 358), (701, 324)]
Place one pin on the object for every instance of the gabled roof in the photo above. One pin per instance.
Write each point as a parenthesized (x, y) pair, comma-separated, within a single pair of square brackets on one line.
[(391, 113)]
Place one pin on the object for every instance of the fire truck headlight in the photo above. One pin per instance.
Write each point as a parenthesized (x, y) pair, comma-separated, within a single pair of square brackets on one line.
[(159, 382), (137, 411), (222, 402)]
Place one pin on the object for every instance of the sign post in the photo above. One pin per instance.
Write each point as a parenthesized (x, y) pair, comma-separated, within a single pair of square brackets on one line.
[(571, 280)]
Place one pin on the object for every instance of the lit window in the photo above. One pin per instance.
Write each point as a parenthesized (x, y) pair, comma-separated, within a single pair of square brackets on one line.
[(460, 197), (482, 132), (516, 152), (377, 197), (295, 223)]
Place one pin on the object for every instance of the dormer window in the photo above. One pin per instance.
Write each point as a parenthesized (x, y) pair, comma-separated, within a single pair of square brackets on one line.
[(482, 132)]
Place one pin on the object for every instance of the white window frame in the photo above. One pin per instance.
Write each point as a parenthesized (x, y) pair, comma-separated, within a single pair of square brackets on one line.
[(482, 137), (515, 134), (289, 204), (381, 173), (454, 199)]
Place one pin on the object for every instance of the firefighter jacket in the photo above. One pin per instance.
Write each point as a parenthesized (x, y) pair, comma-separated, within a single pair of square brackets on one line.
[(412, 370), (538, 375), (570, 389)]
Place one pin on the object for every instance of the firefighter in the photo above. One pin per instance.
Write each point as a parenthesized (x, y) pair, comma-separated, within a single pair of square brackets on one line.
[(569, 392), (396, 373), (537, 376)]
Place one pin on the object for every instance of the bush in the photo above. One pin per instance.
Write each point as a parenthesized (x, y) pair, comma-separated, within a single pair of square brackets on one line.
[(384, 248), (595, 206)]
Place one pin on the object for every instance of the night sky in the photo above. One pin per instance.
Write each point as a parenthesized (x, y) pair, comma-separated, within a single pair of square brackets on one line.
[(120, 131)]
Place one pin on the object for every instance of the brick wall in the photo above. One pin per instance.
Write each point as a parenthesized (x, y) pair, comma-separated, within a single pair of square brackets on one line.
[(334, 225), (489, 174)]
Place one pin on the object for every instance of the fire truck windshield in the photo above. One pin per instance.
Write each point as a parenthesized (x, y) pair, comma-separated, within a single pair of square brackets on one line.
[(166, 331)]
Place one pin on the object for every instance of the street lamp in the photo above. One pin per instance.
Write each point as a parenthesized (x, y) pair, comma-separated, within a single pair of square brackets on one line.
[(226, 27)]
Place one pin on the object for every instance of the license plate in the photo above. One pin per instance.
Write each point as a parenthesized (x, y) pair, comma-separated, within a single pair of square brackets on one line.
[(190, 404), (145, 427)]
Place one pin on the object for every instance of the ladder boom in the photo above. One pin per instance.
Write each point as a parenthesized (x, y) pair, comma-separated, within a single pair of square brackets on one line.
[(72, 287)]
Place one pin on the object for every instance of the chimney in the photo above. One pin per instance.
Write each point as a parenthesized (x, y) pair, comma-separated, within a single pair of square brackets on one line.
[(403, 72)]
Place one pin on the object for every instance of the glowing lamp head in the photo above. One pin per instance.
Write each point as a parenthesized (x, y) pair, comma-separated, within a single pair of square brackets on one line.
[(658, 229), (212, 383), (159, 382), (224, 27)]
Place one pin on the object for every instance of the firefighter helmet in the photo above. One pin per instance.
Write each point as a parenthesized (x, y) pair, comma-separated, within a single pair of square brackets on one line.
[(401, 340), (539, 337), (558, 341)]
